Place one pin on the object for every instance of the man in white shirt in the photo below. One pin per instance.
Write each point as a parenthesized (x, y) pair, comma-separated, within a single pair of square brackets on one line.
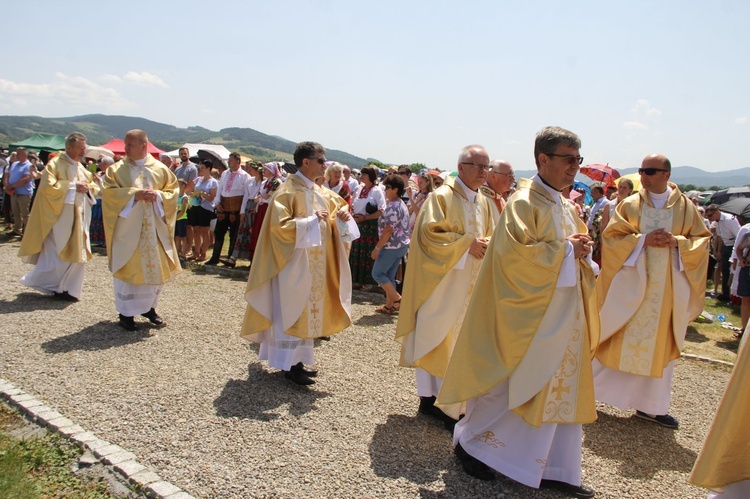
[(597, 192), (228, 203), (354, 186), (727, 228)]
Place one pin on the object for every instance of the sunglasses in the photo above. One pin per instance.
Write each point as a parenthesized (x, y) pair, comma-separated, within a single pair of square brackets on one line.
[(321, 161), (571, 160), (650, 171)]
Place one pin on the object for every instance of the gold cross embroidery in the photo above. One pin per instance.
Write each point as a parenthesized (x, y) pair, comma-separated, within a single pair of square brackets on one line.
[(559, 389), (314, 310), (638, 349)]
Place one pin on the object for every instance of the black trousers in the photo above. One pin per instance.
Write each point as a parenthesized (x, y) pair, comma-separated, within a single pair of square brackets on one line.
[(231, 223)]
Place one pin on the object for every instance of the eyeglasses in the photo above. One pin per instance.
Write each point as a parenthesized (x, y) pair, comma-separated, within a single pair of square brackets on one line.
[(509, 175), (321, 161), (479, 166), (572, 160), (650, 171), (405, 173)]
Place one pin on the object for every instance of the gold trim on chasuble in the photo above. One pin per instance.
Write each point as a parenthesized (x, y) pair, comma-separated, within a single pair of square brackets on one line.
[(148, 244), (316, 258), (640, 334), (562, 391)]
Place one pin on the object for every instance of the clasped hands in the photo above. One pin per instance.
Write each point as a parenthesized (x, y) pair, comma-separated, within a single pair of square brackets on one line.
[(148, 195), (341, 214), (82, 187), (660, 239), (582, 244), (478, 247)]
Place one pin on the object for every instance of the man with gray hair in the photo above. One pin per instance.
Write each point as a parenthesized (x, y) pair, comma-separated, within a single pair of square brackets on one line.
[(522, 361), (447, 248), (499, 180), (56, 239)]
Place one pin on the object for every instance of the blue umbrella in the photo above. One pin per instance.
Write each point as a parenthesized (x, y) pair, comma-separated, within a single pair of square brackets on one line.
[(587, 198)]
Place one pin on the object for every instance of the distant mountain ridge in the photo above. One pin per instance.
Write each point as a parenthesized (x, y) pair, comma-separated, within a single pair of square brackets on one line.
[(100, 128), (683, 175)]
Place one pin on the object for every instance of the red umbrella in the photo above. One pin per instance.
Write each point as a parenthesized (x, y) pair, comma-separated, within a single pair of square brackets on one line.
[(601, 173)]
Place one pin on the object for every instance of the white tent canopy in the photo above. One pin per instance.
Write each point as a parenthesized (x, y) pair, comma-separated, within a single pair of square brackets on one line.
[(221, 151)]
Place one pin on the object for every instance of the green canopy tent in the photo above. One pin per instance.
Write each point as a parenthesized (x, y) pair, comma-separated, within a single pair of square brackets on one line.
[(41, 142)]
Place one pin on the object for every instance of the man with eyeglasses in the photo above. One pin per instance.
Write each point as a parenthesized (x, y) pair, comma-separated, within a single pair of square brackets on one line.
[(499, 180), (522, 362), (447, 248), (300, 284), (652, 284)]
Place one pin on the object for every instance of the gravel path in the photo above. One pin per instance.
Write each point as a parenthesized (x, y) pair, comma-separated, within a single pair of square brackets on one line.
[(192, 401)]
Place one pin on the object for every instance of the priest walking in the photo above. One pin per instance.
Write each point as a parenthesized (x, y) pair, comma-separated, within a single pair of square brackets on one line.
[(652, 284), (56, 239), (447, 249), (523, 356), (139, 205), (300, 284)]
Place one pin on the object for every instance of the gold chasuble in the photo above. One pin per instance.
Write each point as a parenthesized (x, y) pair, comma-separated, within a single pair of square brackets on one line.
[(646, 307), (140, 242), (71, 233), (725, 456), (436, 294), (309, 287), (521, 327)]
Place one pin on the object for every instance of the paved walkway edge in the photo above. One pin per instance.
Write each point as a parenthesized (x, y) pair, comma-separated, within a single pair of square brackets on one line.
[(121, 461)]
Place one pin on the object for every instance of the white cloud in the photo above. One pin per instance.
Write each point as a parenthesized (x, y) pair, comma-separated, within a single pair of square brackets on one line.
[(145, 78), (110, 78), (635, 125), (741, 121), (66, 94), (643, 109)]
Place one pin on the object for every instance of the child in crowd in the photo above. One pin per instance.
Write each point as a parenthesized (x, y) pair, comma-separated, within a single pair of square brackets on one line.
[(180, 228)]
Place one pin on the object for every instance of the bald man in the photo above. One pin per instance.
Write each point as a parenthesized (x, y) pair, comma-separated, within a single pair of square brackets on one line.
[(500, 178), (652, 284)]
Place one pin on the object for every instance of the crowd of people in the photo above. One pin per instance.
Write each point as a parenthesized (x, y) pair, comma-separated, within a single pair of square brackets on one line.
[(516, 308)]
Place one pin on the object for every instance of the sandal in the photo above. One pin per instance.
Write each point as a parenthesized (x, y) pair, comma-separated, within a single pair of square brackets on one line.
[(385, 309), (737, 335), (397, 305)]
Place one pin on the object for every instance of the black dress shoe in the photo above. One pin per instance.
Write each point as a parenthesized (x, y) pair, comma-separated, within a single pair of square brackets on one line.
[(128, 323), (426, 404), (474, 466), (310, 373), (325, 338), (153, 317), (298, 376), (567, 488), (212, 262), (665, 420)]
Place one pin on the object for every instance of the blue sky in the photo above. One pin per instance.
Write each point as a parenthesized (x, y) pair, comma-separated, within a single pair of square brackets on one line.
[(401, 81)]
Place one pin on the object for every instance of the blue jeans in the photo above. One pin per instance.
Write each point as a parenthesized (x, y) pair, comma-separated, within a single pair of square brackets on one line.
[(385, 267)]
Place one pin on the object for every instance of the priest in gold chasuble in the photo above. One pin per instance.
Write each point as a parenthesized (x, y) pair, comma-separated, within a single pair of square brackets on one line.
[(522, 361), (723, 464), (300, 285), (56, 239), (139, 207), (448, 244), (652, 284)]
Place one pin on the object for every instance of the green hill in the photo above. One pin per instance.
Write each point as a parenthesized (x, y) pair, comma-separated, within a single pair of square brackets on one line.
[(100, 128)]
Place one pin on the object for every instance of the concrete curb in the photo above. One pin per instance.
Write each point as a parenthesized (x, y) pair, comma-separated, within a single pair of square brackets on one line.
[(121, 462), (707, 359)]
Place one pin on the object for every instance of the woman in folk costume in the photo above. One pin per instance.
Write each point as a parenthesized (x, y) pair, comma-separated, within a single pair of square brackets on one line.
[(272, 176), (247, 217), (334, 181), (367, 208), (417, 199)]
